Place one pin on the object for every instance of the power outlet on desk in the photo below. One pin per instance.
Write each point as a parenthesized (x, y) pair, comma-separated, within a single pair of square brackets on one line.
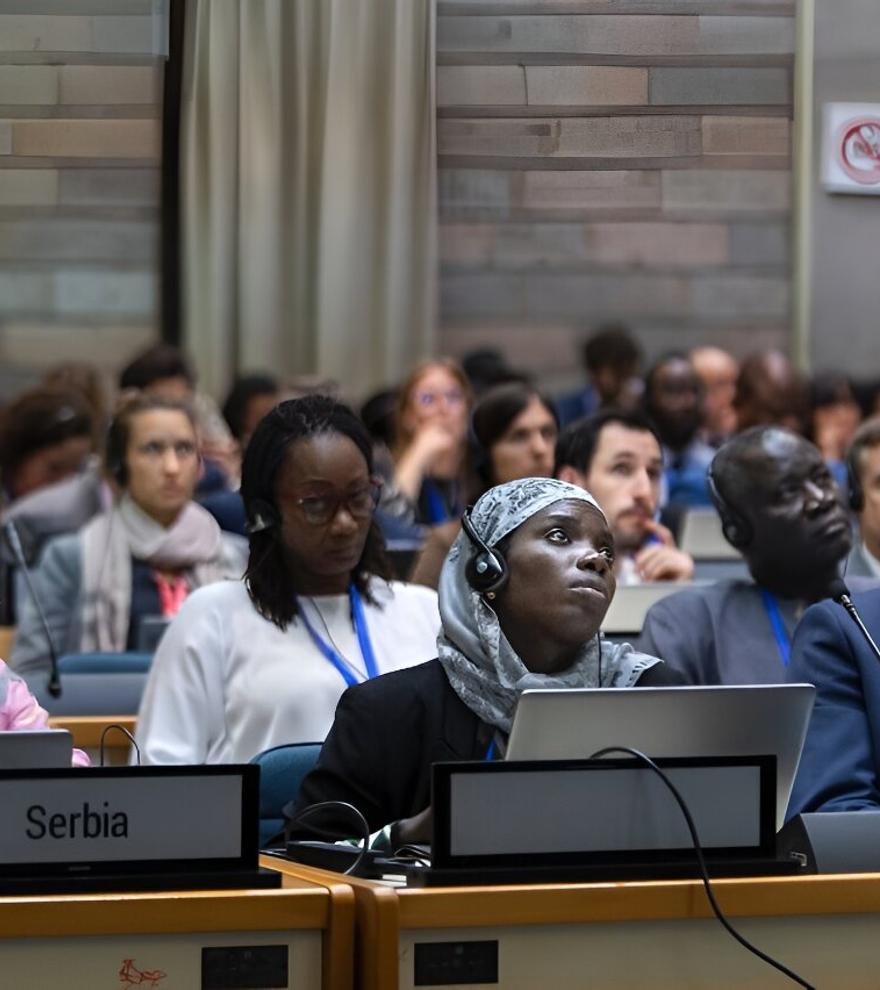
[(244, 967), (449, 964)]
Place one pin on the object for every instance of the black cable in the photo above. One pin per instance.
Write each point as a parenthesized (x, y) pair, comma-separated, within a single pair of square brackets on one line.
[(291, 821), (120, 728), (698, 849)]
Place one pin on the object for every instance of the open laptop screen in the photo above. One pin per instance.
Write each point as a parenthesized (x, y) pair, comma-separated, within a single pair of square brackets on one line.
[(30, 749), (747, 720)]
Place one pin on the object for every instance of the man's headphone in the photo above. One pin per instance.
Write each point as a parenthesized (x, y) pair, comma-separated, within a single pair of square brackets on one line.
[(737, 530), (486, 571)]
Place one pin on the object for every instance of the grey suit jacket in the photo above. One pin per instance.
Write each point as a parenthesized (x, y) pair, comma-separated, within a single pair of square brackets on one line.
[(857, 563)]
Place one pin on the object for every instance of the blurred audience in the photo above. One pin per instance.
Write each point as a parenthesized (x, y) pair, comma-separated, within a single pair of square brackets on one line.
[(255, 663), (770, 392), (46, 435), (782, 510), (78, 376), (615, 455), (163, 370), (248, 401), (717, 369), (674, 404), (611, 359), (515, 428), (834, 419), (487, 367), (430, 442), (139, 559), (863, 465)]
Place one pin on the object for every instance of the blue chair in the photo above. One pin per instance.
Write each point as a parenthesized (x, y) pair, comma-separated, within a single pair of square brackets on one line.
[(282, 770), (98, 684)]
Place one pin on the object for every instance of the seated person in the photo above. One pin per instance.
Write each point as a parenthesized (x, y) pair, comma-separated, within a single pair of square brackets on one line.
[(611, 359), (251, 664), (530, 620), (839, 764), (163, 370), (781, 509), (674, 404), (140, 558), (863, 463), (717, 370), (616, 456), (19, 710), (515, 427), (46, 435), (430, 445)]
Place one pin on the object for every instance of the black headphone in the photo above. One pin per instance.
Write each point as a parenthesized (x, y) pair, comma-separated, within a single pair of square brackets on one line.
[(486, 571), (261, 515), (737, 530)]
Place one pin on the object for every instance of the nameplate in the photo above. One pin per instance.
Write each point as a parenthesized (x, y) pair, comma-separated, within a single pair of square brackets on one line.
[(138, 815), (552, 812)]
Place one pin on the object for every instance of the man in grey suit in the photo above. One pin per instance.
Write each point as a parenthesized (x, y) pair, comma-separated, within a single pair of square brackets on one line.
[(864, 477)]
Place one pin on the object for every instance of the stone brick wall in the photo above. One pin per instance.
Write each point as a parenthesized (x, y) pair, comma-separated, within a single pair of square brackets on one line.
[(614, 159), (80, 112)]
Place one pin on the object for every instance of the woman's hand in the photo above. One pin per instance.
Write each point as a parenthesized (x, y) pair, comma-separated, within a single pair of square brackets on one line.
[(432, 442), (416, 830)]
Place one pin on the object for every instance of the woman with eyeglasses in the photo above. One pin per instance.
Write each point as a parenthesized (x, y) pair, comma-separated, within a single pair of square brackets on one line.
[(430, 443), (255, 664), (136, 561)]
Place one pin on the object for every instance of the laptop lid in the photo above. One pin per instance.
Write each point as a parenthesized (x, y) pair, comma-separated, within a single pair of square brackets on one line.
[(107, 821), (749, 720), (30, 749)]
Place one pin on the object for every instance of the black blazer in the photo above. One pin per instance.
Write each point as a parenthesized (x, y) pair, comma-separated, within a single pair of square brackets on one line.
[(388, 732)]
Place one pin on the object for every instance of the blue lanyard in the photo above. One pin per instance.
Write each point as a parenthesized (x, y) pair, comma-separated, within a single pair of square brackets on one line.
[(490, 752), (363, 635), (780, 633), (439, 511)]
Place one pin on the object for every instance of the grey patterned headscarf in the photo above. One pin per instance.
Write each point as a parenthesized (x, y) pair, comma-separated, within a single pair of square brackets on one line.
[(481, 665)]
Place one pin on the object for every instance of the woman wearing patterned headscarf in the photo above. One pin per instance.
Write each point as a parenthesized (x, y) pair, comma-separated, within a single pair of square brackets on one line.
[(521, 600)]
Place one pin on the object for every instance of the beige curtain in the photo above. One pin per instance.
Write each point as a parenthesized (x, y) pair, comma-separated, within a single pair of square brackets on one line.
[(308, 188)]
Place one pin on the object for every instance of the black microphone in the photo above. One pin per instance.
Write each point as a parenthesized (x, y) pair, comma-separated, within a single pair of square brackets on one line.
[(840, 593), (53, 685)]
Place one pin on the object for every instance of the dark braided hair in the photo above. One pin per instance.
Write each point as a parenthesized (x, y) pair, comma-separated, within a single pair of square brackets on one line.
[(268, 578)]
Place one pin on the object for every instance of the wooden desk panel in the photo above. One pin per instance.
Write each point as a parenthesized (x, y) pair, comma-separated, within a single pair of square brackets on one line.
[(83, 942), (628, 936)]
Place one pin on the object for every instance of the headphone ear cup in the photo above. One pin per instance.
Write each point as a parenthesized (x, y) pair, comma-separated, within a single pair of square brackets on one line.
[(261, 515), (486, 572)]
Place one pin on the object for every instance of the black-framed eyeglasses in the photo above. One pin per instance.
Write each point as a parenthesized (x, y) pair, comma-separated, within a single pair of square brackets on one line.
[(320, 510)]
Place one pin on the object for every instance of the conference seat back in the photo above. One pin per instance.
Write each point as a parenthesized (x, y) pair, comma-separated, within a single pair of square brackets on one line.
[(282, 770)]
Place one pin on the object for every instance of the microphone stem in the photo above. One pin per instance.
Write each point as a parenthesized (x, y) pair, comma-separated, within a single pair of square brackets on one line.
[(847, 603)]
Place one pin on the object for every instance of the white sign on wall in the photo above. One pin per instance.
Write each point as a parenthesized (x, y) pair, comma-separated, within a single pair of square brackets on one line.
[(851, 148)]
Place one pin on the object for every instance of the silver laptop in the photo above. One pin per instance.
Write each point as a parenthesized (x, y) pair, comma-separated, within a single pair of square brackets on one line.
[(35, 749), (749, 720)]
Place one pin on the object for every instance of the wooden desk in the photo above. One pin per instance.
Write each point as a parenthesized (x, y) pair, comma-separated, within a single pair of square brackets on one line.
[(89, 941), (629, 936)]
